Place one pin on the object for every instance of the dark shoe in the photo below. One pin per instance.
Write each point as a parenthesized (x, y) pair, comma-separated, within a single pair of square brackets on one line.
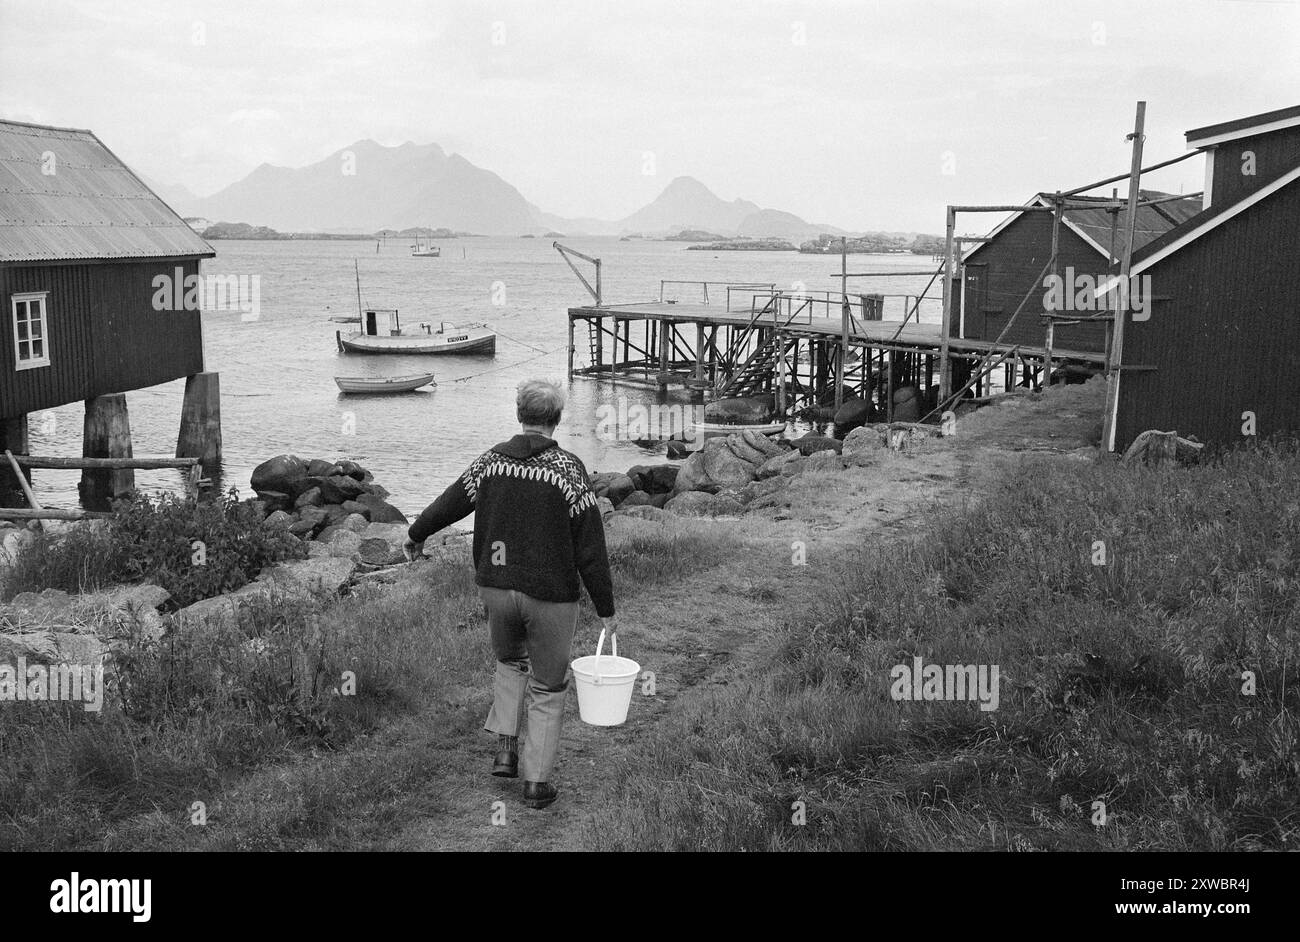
[(506, 764), (539, 794)]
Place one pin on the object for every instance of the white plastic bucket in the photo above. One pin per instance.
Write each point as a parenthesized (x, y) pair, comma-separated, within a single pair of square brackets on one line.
[(605, 684)]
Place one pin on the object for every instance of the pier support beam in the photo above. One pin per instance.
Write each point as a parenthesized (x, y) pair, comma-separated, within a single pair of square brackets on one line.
[(107, 434), (200, 434)]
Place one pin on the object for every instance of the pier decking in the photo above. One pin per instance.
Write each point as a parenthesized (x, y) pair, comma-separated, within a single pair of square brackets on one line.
[(783, 346)]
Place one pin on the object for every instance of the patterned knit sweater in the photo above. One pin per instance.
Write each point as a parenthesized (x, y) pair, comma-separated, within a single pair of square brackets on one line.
[(536, 523)]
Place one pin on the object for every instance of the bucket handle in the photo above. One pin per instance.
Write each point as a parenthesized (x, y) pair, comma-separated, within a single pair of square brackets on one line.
[(600, 644)]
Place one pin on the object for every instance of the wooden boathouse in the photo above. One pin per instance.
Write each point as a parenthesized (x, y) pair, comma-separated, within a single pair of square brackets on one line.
[(1219, 355), (996, 274), (83, 244)]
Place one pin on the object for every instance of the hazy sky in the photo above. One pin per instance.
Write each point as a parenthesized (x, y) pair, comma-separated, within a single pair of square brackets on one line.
[(846, 113)]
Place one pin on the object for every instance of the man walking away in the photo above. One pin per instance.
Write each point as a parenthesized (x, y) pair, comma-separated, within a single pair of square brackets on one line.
[(537, 530)]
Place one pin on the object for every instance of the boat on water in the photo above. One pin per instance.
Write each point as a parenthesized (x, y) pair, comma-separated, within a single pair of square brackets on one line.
[(425, 249), (371, 385), (712, 429), (448, 338)]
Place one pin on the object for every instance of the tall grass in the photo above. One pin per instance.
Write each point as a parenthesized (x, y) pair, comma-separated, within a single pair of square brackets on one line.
[(1121, 683), (206, 704)]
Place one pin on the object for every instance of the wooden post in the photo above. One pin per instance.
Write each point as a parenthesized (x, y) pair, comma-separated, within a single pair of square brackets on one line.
[(200, 434), (1116, 359), (22, 480), (599, 323), (699, 351), (1047, 353), (945, 368), (106, 434), (570, 346)]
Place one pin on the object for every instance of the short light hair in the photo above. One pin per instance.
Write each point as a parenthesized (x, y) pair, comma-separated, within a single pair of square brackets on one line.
[(539, 403)]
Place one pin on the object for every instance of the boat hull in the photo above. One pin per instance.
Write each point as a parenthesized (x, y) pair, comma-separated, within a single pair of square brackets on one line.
[(713, 429), (379, 385), (420, 344)]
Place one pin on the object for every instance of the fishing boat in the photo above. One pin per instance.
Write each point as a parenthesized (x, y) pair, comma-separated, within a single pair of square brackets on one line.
[(384, 384), (448, 338), (423, 250)]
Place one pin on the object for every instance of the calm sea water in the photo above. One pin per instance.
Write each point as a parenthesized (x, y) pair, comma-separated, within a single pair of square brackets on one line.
[(278, 392)]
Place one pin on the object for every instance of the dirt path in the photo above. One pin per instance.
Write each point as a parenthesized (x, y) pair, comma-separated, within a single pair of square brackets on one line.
[(421, 782)]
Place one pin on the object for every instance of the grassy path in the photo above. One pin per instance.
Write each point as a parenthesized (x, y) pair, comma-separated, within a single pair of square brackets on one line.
[(421, 782)]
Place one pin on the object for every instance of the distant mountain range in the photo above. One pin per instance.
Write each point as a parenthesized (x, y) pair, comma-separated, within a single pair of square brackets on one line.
[(367, 187)]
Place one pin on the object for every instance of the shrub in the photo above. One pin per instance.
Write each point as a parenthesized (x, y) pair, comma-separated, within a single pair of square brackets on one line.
[(194, 550)]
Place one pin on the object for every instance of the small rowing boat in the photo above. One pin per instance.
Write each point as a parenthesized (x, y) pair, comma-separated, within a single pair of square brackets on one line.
[(384, 384)]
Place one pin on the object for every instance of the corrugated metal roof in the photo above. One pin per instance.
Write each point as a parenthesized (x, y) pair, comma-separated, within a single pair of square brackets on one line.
[(1152, 221), (90, 207)]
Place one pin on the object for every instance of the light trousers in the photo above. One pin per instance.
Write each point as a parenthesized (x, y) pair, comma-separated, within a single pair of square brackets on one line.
[(531, 640)]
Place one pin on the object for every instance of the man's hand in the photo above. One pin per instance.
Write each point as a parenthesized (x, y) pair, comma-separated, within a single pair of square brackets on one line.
[(412, 550), (610, 624)]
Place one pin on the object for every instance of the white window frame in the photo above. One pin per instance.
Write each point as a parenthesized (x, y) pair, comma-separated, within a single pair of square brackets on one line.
[(28, 297)]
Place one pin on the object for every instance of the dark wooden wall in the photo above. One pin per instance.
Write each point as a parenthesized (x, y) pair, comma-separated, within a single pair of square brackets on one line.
[(1274, 153), (1228, 340), (104, 334), (1010, 265)]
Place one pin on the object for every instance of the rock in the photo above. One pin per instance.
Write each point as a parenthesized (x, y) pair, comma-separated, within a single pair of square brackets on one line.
[(355, 522), (744, 451), (745, 409), (714, 468), (282, 474), (334, 514), (380, 510), (336, 488), (759, 489), (379, 552), (272, 501), (606, 506), (824, 461), (654, 479), (616, 488), (678, 450), (794, 466), (738, 494), (352, 507), (700, 504), (381, 492), (813, 443), (318, 574), (862, 445), (350, 469), (345, 543), (907, 404), (772, 466), (636, 499), (319, 467), (661, 500), (280, 520), (760, 442), (644, 511), (309, 498), (853, 413), (308, 520)]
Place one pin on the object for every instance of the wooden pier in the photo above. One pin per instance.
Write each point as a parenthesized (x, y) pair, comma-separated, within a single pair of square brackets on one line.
[(807, 352)]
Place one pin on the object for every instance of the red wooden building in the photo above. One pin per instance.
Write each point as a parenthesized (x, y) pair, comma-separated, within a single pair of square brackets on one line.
[(1219, 356), (82, 241)]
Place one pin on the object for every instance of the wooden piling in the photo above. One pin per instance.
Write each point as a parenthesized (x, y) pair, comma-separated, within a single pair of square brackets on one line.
[(200, 432), (106, 434)]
